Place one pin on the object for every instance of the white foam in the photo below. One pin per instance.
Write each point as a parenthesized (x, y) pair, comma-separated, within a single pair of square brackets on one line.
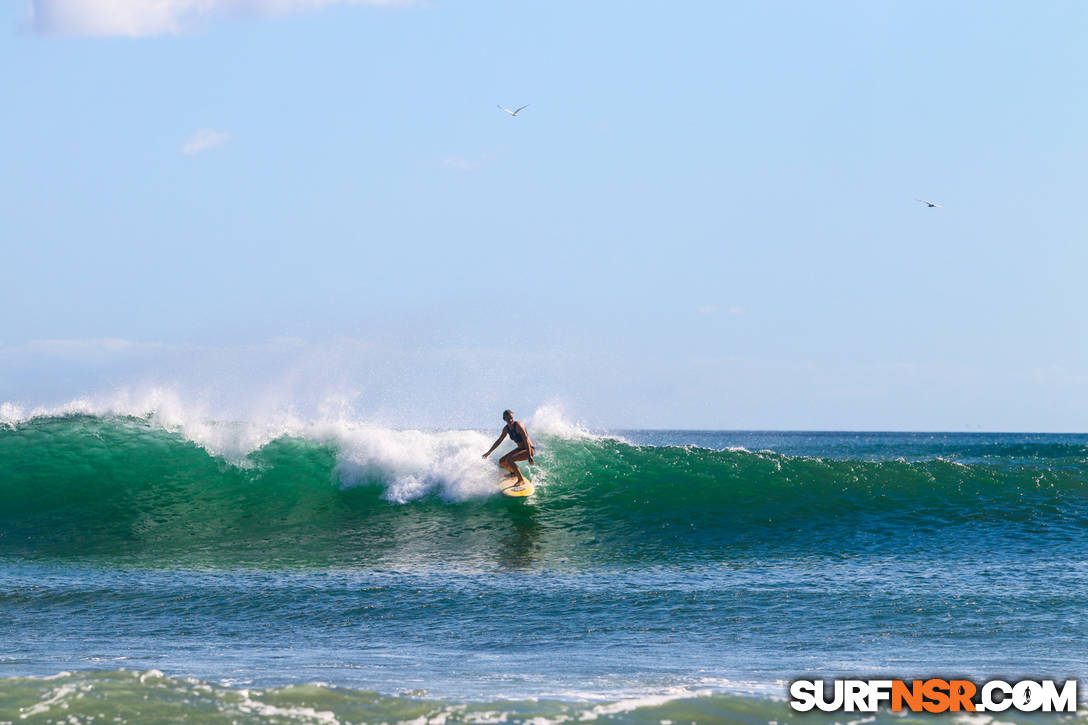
[(411, 464), (56, 696), (551, 420), (11, 414), (249, 706)]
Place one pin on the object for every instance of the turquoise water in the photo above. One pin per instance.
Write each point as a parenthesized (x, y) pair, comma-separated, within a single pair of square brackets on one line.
[(266, 574)]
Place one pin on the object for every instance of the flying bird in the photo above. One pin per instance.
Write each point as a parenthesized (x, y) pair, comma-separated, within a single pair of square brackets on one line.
[(514, 113), (930, 204)]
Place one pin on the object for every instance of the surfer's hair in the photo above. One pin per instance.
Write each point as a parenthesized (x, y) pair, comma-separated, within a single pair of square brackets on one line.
[(508, 413)]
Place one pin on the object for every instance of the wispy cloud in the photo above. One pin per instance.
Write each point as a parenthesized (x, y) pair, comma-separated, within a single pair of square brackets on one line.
[(138, 18), (734, 310), (79, 347), (203, 140), (460, 162), (471, 162)]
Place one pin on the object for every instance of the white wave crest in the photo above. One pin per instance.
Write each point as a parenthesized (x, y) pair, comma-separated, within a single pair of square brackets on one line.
[(411, 463), (550, 420)]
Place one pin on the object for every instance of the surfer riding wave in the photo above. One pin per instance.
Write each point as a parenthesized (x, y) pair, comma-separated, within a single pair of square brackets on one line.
[(523, 451)]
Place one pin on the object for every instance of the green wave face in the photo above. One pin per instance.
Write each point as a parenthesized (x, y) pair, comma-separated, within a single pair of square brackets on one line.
[(88, 487)]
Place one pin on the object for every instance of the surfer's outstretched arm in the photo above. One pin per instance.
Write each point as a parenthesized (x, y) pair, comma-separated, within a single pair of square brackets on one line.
[(496, 443)]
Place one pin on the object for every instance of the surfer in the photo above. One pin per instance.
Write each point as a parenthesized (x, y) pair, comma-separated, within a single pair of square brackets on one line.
[(524, 446)]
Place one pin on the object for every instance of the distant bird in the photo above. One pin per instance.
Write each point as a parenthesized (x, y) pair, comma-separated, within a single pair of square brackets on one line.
[(930, 204), (514, 113)]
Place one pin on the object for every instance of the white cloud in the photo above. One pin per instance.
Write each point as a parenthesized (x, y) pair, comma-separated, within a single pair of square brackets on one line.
[(203, 140), (136, 18), (709, 309), (471, 162), (95, 350), (460, 162)]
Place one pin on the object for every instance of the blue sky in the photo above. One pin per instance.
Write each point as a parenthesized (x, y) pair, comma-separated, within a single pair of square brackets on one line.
[(705, 218)]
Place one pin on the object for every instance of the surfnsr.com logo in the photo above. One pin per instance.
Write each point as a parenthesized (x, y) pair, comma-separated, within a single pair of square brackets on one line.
[(934, 695)]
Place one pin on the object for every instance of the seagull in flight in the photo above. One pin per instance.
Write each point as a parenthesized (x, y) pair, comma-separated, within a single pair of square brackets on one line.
[(930, 204), (514, 113)]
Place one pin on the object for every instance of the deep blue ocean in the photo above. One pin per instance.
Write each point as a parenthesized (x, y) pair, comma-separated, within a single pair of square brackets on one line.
[(344, 572)]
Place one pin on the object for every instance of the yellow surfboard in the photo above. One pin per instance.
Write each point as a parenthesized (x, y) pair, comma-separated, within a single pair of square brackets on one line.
[(509, 486)]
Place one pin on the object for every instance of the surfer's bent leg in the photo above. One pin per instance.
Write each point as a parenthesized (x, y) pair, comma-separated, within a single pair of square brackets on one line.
[(509, 462)]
